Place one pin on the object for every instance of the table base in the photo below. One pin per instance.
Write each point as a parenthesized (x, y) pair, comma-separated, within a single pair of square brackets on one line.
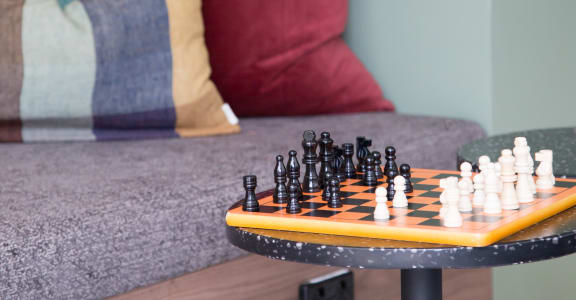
[(421, 284)]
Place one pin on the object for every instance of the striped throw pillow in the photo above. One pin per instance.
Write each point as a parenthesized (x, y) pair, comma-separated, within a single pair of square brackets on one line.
[(106, 69)]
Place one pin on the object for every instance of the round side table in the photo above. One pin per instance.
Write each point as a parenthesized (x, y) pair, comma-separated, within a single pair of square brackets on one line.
[(561, 140), (421, 264)]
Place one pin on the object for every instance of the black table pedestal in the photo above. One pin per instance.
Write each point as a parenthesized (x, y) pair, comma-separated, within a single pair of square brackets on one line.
[(421, 284)]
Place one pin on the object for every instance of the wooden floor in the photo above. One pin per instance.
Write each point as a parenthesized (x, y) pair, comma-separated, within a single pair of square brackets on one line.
[(258, 278)]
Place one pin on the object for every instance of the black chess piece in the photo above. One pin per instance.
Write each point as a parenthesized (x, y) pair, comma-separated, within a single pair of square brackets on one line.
[(405, 172), (338, 159), (360, 155), (475, 168), (293, 206), (359, 141), (390, 153), (250, 203), (335, 199), (369, 177), (349, 168), (367, 143), (390, 175), (327, 158), (338, 165), (326, 191), (280, 192), (293, 169), (378, 164), (362, 152), (310, 182)]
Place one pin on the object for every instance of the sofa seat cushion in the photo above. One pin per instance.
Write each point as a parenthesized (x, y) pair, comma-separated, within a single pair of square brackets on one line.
[(90, 220)]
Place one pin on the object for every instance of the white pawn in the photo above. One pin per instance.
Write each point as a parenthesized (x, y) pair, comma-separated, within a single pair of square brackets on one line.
[(443, 198), (508, 177), (445, 183), (479, 195), (522, 166), (544, 171), (400, 199), (464, 203), (466, 174), (381, 211), (453, 218), (519, 142), (492, 202)]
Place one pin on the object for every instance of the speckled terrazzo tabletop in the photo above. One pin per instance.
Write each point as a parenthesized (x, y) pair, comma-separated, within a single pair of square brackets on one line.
[(561, 140)]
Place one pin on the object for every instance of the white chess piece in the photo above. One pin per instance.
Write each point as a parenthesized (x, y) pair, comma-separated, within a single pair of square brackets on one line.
[(400, 199), (522, 167), (497, 169), (508, 177), (464, 203), (381, 211), (479, 195), (453, 218), (544, 171), (492, 202), (466, 174), (445, 183), (483, 163), (443, 198), (521, 141)]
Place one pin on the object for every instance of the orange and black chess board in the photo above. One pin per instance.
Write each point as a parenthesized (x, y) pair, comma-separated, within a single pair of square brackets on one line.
[(418, 222)]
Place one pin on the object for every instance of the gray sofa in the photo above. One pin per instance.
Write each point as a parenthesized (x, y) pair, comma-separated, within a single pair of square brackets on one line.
[(91, 220)]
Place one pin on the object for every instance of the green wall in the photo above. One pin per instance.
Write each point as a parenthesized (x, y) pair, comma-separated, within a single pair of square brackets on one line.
[(508, 64), (534, 50), (430, 57)]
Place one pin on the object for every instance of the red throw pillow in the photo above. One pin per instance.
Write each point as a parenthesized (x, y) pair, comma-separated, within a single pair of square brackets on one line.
[(287, 57)]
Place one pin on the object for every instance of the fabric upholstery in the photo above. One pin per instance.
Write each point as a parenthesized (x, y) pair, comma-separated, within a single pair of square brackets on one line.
[(287, 57), (90, 220), (106, 69)]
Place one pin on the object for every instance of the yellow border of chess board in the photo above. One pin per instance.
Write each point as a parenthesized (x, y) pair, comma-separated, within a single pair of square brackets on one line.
[(416, 233)]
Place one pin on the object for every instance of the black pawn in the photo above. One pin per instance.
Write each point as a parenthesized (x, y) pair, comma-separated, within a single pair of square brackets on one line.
[(349, 169), (326, 158), (378, 164), (293, 206), (310, 159), (250, 203), (405, 172), (370, 176), (390, 175), (335, 200), (280, 192), (326, 191), (390, 153), (293, 169)]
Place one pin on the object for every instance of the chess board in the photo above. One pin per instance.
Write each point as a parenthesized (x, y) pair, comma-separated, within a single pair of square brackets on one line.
[(418, 222)]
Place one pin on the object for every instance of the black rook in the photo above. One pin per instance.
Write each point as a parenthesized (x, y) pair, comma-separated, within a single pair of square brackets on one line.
[(250, 203)]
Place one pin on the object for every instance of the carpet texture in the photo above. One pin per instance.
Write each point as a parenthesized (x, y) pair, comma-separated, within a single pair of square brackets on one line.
[(90, 220)]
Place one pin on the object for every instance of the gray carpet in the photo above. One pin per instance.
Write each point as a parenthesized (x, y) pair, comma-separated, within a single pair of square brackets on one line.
[(91, 220)]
